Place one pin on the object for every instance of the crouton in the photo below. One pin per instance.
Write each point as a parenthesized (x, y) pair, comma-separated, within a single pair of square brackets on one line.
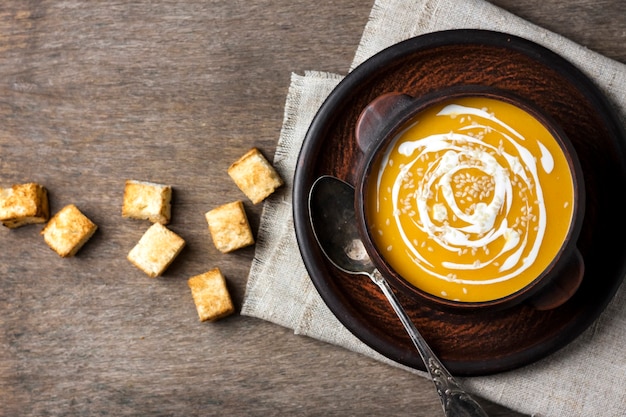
[(211, 296), (68, 230), (156, 250), (255, 176), (24, 204), (229, 227), (147, 201)]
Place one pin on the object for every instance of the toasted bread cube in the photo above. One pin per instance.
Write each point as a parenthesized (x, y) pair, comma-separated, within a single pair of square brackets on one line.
[(147, 201), (211, 296), (68, 230), (156, 250), (255, 176), (23, 204), (229, 227)]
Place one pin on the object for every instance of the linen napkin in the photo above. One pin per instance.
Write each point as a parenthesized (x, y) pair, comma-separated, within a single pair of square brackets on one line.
[(585, 377)]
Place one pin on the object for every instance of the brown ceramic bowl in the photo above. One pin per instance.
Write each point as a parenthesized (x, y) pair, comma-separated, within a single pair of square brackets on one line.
[(418, 236)]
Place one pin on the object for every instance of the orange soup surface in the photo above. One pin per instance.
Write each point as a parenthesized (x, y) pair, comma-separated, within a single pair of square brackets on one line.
[(472, 201)]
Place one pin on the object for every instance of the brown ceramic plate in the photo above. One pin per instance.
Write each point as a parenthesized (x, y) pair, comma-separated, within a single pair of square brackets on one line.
[(485, 343)]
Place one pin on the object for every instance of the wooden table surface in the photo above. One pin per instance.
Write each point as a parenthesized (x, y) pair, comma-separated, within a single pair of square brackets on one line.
[(96, 92)]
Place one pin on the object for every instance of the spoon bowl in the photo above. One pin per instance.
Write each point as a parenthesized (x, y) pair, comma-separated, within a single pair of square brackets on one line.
[(333, 219)]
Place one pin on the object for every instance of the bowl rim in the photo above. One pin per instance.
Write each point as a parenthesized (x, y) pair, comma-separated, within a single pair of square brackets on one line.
[(398, 121)]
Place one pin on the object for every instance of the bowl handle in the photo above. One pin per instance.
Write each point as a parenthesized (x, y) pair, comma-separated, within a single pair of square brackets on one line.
[(564, 285), (374, 119)]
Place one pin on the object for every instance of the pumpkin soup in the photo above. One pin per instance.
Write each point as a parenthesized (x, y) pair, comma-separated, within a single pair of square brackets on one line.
[(472, 201)]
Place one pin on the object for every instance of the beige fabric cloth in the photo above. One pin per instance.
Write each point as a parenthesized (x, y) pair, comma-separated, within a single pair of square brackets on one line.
[(584, 378)]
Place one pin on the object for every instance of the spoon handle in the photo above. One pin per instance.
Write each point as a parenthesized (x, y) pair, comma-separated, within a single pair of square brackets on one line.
[(454, 400)]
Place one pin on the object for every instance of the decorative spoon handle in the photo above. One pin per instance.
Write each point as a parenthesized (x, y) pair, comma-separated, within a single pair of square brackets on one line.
[(455, 401)]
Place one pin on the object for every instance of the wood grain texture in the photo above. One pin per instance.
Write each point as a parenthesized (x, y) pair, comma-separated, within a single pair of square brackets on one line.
[(93, 93)]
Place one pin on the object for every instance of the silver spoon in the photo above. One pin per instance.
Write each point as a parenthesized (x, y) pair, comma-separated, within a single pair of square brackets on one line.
[(331, 207)]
